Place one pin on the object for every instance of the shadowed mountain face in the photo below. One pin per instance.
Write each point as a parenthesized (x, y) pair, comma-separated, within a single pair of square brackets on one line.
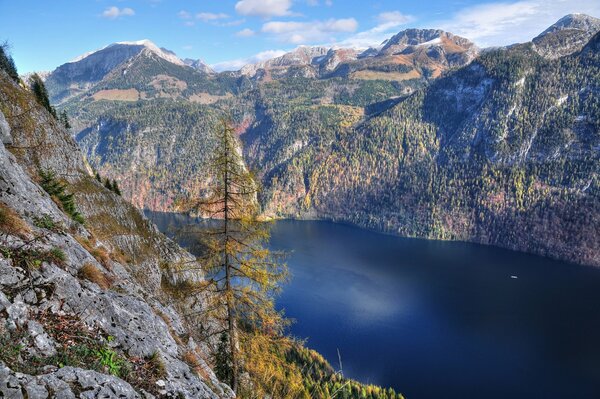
[(424, 136)]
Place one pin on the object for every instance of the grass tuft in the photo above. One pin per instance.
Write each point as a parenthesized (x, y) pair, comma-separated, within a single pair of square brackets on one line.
[(11, 223), (92, 273)]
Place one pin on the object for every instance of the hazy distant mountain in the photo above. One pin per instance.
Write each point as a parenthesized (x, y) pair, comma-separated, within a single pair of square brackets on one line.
[(411, 54), (198, 65), (568, 35)]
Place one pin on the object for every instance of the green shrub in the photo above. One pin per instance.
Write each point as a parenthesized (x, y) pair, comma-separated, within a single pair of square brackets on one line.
[(30, 258), (57, 191), (57, 255), (110, 360), (45, 222)]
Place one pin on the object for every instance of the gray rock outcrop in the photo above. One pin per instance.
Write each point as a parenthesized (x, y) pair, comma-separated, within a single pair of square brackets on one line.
[(5, 130)]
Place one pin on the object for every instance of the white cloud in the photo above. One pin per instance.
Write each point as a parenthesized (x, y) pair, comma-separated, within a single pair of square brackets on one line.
[(245, 33), (389, 23), (503, 23), (314, 3), (209, 16), (184, 14), (393, 17), (235, 22), (309, 32), (116, 12), (264, 8), (234, 65)]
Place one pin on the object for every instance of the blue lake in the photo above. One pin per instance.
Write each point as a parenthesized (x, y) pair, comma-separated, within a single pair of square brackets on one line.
[(439, 319)]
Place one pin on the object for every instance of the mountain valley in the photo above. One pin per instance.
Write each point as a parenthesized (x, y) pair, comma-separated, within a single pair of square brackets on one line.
[(425, 136)]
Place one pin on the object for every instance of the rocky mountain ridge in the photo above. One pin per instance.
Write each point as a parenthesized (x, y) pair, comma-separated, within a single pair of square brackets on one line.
[(410, 54), (566, 36)]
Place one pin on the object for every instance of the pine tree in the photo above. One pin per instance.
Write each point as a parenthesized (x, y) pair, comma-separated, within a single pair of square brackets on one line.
[(115, 187), (41, 94), (7, 63), (108, 184), (98, 177), (244, 274), (64, 119)]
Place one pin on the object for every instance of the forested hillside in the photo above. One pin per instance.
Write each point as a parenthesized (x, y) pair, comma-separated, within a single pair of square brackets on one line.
[(503, 152), (498, 148)]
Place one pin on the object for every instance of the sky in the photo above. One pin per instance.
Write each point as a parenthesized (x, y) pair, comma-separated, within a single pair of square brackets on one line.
[(227, 34)]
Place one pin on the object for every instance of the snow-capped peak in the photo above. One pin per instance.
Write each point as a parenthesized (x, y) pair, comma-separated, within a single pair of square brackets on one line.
[(162, 53)]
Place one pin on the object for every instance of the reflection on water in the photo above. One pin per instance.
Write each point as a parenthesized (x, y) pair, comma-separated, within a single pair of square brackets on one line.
[(440, 319)]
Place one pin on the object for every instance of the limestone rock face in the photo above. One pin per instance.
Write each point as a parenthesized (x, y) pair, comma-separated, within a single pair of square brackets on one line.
[(51, 274), (5, 130), (67, 383)]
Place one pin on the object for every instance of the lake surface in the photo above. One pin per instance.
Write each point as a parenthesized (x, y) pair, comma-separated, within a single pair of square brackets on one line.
[(439, 319)]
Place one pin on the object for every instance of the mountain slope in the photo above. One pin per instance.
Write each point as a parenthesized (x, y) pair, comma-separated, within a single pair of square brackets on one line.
[(567, 36), (415, 138), (82, 309), (502, 152), (489, 153), (112, 63)]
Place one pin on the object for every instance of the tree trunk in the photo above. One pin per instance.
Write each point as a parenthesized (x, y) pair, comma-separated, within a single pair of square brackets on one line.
[(230, 315)]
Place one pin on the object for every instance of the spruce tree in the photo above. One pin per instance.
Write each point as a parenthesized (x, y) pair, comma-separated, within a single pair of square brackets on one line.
[(115, 187), (64, 119), (41, 94), (7, 63)]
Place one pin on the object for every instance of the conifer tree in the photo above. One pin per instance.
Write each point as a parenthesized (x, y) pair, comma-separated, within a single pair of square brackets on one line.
[(245, 275), (64, 119), (58, 191), (41, 94), (7, 63), (115, 187), (98, 177), (108, 184)]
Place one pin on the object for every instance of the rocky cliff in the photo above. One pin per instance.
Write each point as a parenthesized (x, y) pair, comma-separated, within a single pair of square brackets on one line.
[(83, 312)]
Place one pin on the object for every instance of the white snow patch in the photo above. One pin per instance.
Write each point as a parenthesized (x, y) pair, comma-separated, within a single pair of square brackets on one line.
[(156, 50), (520, 82), (561, 100), (433, 42)]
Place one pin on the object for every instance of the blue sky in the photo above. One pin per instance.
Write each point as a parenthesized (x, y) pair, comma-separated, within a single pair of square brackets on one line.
[(228, 33)]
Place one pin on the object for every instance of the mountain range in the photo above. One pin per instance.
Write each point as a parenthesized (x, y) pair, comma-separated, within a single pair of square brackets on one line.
[(426, 135)]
